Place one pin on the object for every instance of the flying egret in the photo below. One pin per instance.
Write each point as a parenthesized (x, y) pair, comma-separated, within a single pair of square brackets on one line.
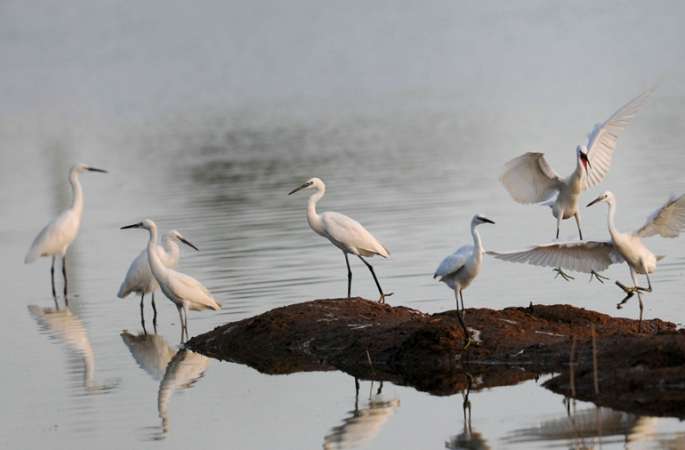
[(587, 256), (530, 179), (139, 278), (344, 232), (186, 292), (460, 268), (57, 236)]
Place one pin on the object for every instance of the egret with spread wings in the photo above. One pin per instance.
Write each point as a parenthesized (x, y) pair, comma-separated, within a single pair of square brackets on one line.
[(186, 292), (530, 179), (344, 232), (587, 256), (460, 268)]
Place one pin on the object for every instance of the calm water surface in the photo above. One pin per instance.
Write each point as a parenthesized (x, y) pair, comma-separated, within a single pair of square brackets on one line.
[(413, 164)]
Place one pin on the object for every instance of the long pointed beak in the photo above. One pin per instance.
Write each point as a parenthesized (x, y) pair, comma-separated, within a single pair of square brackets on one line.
[(593, 202), (485, 219), (94, 169), (299, 188), (188, 243), (135, 225)]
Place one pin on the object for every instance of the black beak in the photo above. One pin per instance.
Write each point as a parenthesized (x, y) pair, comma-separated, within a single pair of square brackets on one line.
[(485, 219), (593, 202), (93, 169), (135, 225), (307, 184), (188, 243), (584, 157)]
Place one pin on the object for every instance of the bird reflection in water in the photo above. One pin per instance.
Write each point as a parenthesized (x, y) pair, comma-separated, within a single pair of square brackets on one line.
[(362, 425), (65, 326), (151, 352), (182, 372), (467, 439), (588, 428)]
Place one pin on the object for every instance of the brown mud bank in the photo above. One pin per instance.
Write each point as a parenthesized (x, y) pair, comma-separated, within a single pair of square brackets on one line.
[(637, 371)]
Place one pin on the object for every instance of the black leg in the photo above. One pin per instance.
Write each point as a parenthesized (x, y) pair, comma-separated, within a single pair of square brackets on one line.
[(460, 315), (349, 276), (378, 285), (64, 274), (356, 394), (142, 312), (154, 317), (580, 232), (52, 277)]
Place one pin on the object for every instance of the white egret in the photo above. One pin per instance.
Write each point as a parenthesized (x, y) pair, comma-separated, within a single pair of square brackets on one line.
[(57, 236), (139, 278), (185, 291), (530, 179), (344, 232), (587, 256), (460, 268)]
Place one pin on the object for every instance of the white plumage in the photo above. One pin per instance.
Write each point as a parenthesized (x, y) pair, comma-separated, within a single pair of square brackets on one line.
[(139, 277), (151, 352), (460, 268), (530, 179), (55, 239), (185, 291), (344, 232), (587, 256)]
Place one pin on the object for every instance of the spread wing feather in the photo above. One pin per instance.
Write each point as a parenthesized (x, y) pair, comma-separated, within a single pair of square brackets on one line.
[(602, 140), (579, 256), (667, 221), (530, 179)]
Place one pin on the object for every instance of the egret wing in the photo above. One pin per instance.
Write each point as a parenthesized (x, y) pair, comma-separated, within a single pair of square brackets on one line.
[(530, 179), (602, 140), (667, 221), (191, 290), (349, 233), (579, 256), (453, 262)]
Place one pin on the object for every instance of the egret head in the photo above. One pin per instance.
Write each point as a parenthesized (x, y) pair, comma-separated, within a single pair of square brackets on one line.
[(80, 168), (175, 235), (312, 183), (478, 219), (581, 153), (146, 224), (607, 197)]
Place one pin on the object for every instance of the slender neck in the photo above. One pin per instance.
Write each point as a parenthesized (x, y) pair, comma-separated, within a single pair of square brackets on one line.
[(477, 243), (156, 265), (312, 216), (612, 213), (77, 203)]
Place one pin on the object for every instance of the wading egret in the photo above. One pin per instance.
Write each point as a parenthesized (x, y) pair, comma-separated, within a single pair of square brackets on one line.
[(344, 232), (530, 179), (186, 292), (460, 268), (139, 278), (57, 236), (587, 256)]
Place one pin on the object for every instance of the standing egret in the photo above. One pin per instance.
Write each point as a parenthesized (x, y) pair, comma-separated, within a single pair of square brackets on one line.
[(139, 278), (460, 268), (57, 236), (587, 256), (186, 292), (344, 232), (530, 179)]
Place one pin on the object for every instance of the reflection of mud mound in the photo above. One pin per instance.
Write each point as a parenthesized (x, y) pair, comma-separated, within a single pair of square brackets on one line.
[(151, 352), (587, 428), (643, 375), (375, 341)]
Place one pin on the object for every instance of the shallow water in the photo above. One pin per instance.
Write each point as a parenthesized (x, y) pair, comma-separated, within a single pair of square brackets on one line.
[(413, 162)]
